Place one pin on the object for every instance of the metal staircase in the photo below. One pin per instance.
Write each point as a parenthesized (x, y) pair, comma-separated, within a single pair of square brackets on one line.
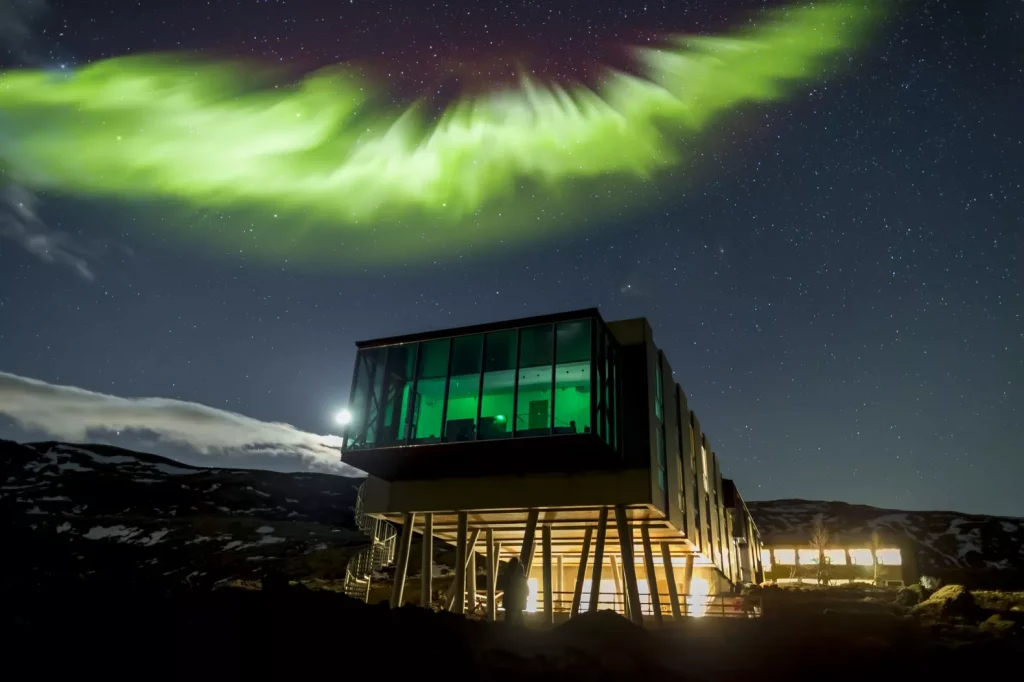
[(379, 553)]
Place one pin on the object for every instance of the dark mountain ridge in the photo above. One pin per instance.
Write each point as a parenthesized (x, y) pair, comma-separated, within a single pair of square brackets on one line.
[(99, 512)]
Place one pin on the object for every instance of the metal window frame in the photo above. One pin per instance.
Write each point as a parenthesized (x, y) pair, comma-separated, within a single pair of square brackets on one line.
[(554, 375), (480, 388), (515, 382), (447, 385)]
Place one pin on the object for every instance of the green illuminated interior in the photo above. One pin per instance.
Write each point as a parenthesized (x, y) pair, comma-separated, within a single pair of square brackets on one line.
[(388, 180), (533, 381)]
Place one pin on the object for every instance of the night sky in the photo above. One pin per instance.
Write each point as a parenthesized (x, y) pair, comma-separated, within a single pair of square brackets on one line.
[(836, 277)]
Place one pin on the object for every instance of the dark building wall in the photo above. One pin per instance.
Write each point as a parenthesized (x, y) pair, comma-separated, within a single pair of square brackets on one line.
[(673, 460), (686, 461), (636, 439)]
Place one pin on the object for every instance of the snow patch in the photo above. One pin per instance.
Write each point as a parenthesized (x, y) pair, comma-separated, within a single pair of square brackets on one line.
[(170, 470), (64, 527), (103, 532), (72, 466), (35, 510), (154, 537), (58, 498), (265, 529)]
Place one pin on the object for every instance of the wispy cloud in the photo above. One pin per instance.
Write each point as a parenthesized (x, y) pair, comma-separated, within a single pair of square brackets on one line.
[(75, 414), (20, 222)]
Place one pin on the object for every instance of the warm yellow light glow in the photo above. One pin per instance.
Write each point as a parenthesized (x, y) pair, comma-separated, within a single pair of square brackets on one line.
[(860, 557), (889, 557), (531, 598), (766, 559), (608, 598), (699, 598), (785, 557), (836, 557), (808, 557)]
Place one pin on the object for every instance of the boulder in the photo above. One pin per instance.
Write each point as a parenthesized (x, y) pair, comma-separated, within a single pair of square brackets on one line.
[(948, 601)]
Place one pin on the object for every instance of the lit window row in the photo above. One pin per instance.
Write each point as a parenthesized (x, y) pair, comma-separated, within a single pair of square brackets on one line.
[(834, 557)]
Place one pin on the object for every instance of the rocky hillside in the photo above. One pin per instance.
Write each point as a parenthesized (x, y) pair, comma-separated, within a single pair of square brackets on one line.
[(946, 542), (103, 513)]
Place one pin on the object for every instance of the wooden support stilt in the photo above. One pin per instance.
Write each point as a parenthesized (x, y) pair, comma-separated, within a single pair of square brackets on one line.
[(670, 578), (549, 589), (581, 573), (402, 565), (615, 580), (529, 540), (449, 598), (427, 561), (595, 580), (628, 564), (492, 602), (471, 578), (652, 576), (458, 602)]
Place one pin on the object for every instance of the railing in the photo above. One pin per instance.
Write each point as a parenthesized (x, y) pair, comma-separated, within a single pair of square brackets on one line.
[(725, 605), (380, 553)]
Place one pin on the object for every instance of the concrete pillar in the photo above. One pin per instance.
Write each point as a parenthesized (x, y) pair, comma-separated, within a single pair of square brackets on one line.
[(458, 602), (688, 574), (796, 562), (670, 578), (427, 561), (529, 538), (595, 579), (402, 565), (492, 602), (628, 564), (549, 606), (581, 573), (652, 575)]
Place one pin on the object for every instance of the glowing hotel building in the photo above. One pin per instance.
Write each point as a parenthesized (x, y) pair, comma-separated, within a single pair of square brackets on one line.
[(559, 439)]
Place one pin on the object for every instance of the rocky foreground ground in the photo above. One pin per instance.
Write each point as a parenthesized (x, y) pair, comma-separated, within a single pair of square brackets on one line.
[(292, 633)]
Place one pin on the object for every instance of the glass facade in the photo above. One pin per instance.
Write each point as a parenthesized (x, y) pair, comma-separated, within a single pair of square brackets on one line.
[(539, 380)]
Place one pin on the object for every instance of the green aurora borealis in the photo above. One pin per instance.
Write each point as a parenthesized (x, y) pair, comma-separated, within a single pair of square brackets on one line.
[(220, 136)]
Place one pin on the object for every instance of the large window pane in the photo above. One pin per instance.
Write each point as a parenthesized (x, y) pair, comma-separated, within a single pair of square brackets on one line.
[(463, 389), (372, 361), (533, 400), (428, 401), (397, 389), (366, 367), (572, 377), (499, 385)]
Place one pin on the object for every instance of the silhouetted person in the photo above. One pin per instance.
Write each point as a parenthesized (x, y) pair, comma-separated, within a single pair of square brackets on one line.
[(516, 592)]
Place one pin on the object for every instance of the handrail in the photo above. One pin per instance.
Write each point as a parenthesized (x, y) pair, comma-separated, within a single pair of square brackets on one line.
[(380, 552)]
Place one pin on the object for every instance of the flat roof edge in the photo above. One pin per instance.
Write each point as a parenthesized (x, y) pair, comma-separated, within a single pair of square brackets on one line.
[(480, 328)]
